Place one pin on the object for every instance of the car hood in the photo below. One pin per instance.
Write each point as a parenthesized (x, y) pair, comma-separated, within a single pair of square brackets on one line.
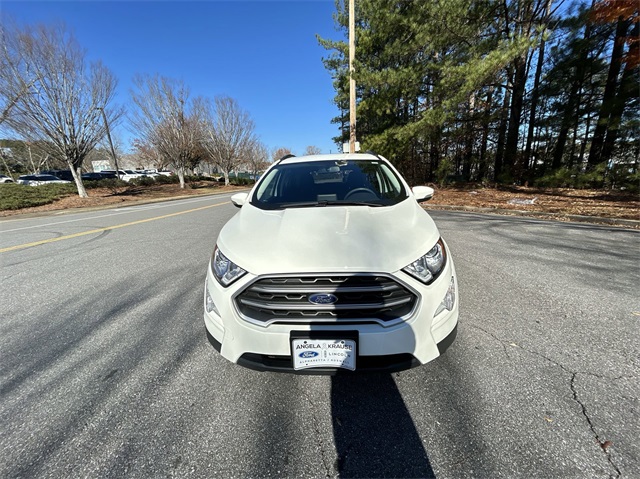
[(328, 239)]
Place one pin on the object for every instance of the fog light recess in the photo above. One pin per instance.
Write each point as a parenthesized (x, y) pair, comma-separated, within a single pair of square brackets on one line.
[(209, 305), (449, 299)]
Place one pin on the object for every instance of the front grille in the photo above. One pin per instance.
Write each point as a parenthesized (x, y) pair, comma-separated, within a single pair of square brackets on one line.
[(360, 298)]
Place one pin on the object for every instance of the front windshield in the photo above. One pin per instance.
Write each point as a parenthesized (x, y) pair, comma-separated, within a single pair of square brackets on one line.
[(328, 183)]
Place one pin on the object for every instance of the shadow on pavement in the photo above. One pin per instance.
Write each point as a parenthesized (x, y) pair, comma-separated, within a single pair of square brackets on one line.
[(374, 433)]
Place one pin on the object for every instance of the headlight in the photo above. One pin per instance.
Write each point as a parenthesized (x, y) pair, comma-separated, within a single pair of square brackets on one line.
[(428, 267), (225, 271)]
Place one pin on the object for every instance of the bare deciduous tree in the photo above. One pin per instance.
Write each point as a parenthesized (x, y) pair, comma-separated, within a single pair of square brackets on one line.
[(229, 134), (279, 152), (55, 95), (11, 87), (312, 150), (30, 157), (38, 157), (258, 159), (167, 120), (147, 154)]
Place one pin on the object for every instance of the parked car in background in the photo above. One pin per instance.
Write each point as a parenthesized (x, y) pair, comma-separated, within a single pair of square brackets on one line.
[(149, 173), (89, 176), (62, 174), (330, 265), (92, 176), (6, 179), (41, 179), (160, 172), (107, 175), (125, 175)]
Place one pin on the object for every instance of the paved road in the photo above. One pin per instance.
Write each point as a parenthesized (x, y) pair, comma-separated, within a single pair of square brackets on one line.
[(106, 372)]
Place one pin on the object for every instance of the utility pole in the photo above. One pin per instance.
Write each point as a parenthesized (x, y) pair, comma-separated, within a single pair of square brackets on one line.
[(352, 81), (113, 151)]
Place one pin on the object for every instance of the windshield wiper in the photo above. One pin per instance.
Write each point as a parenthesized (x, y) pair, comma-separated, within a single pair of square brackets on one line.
[(351, 203), (309, 204), (302, 204)]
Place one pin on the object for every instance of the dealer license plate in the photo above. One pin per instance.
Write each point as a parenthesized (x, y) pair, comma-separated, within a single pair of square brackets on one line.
[(323, 353)]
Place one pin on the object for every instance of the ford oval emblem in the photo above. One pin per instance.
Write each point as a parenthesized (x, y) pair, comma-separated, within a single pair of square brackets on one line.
[(323, 298), (308, 354)]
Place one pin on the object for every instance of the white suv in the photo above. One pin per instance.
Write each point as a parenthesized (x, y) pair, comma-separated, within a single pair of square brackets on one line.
[(331, 265), (125, 175)]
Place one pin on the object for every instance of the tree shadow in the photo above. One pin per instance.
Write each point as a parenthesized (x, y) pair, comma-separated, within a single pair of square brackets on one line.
[(373, 430)]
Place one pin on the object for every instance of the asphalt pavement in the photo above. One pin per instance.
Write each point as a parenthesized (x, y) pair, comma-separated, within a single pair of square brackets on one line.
[(106, 370)]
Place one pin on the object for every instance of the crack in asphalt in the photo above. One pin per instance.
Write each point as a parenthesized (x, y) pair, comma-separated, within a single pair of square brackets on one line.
[(604, 445), (502, 343), (316, 427)]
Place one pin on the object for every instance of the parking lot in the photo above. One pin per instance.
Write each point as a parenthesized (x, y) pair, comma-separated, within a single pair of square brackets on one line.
[(106, 370)]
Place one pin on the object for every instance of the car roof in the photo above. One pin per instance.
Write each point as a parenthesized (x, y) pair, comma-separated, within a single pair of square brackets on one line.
[(331, 157)]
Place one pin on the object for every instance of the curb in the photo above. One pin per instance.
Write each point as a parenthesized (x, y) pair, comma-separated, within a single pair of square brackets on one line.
[(598, 220)]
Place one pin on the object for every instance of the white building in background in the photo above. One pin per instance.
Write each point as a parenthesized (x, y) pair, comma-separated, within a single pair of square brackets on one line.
[(99, 165)]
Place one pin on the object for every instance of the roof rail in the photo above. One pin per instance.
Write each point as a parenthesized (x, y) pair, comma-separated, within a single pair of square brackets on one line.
[(288, 155), (373, 153)]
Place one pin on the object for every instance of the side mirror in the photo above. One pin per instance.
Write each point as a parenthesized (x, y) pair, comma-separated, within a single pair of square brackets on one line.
[(239, 199), (422, 193)]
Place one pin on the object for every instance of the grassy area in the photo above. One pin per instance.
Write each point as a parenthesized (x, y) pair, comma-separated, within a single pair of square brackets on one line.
[(15, 197)]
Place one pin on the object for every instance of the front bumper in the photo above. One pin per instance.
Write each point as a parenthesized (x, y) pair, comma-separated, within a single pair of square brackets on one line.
[(370, 364), (417, 340)]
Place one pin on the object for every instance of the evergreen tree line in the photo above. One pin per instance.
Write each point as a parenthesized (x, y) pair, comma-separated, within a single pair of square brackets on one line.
[(525, 91)]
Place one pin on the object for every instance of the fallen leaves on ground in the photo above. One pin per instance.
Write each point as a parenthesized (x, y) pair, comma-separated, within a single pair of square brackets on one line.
[(561, 201)]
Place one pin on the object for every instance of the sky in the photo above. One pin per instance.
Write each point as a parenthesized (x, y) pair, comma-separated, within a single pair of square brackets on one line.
[(264, 54)]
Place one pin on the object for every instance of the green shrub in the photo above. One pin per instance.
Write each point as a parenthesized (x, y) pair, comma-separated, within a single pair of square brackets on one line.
[(15, 197), (575, 178), (142, 181), (591, 179), (111, 183), (240, 181), (560, 178), (114, 185), (167, 180), (444, 171), (622, 177)]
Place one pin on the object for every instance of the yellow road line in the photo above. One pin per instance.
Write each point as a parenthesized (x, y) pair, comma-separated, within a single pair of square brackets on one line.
[(100, 230)]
